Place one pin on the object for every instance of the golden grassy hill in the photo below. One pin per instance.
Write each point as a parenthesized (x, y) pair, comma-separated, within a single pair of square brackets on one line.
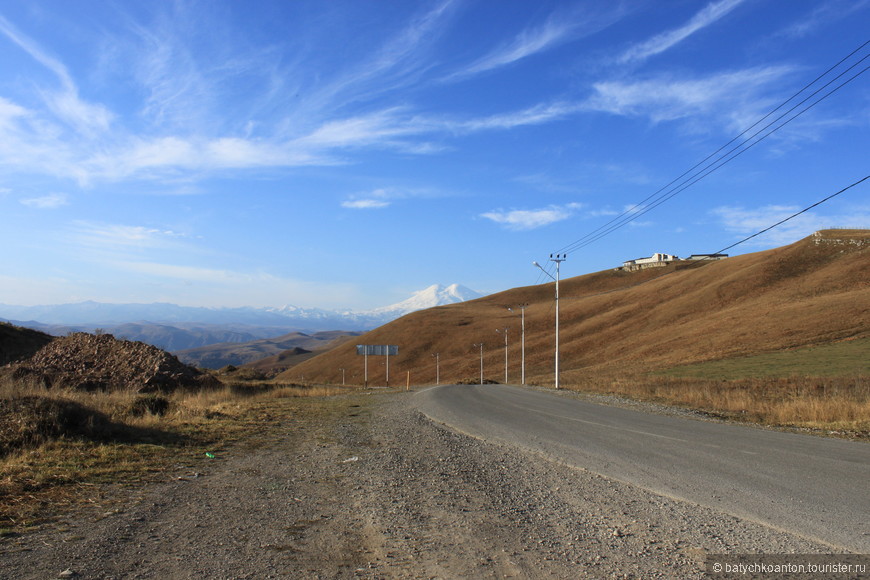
[(815, 291)]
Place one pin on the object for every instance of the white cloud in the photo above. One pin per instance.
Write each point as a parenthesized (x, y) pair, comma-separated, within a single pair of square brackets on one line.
[(658, 44), (527, 43), (62, 135), (365, 204), (668, 99), (376, 199), (189, 273), (823, 14), (31, 48), (111, 244), (562, 26), (9, 111), (86, 118), (747, 221), (378, 127), (50, 201), (522, 219), (605, 212), (114, 235), (227, 287), (535, 115)]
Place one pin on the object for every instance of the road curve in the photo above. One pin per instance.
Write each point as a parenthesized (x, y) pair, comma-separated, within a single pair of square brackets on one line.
[(811, 486)]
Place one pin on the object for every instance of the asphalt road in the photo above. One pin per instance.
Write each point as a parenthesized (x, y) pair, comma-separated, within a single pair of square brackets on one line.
[(812, 486)]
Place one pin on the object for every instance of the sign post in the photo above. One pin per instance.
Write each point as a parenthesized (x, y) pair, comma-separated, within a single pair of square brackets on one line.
[(376, 350)]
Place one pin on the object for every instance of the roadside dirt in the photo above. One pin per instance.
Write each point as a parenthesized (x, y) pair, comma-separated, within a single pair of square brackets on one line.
[(364, 486)]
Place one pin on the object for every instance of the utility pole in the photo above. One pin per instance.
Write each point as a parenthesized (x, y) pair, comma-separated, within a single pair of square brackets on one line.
[(522, 308), (437, 368), (481, 361), (558, 259), (505, 331)]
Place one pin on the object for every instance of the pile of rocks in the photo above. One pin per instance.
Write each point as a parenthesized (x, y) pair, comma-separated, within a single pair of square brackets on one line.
[(101, 362)]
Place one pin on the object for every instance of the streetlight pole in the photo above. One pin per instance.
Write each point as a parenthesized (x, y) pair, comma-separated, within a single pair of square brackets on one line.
[(558, 259), (505, 331), (522, 308), (481, 361)]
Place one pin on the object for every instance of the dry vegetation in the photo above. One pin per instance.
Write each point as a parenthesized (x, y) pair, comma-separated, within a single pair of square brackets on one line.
[(619, 328), (57, 443), (827, 405), (729, 338)]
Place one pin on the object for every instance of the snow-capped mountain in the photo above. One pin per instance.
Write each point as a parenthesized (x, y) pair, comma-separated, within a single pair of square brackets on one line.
[(177, 327), (435, 295)]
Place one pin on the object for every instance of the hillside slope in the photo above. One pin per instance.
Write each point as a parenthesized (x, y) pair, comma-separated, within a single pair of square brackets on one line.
[(814, 291), (219, 355), (18, 343)]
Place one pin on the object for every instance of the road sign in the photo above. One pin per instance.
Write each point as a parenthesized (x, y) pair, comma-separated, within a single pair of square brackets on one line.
[(378, 349)]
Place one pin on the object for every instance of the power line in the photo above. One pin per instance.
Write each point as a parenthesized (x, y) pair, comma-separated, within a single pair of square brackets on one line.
[(718, 164), (758, 233), (702, 169), (664, 194), (794, 215)]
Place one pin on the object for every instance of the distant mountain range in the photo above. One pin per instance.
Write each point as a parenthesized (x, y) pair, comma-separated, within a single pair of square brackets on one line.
[(270, 355), (173, 327)]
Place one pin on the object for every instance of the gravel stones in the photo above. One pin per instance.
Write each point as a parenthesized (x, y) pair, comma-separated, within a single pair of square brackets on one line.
[(91, 362)]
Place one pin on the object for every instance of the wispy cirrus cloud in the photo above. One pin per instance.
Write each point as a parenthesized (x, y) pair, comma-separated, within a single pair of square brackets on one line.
[(199, 274), (122, 237), (823, 14), (50, 201), (668, 98), (562, 26), (224, 286), (382, 197), (83, 117), (397, 62), (534, 115), (529, 42), (62, 135), (375, 199), (745, 221), (666, 40), (529, 219), (365, 203)]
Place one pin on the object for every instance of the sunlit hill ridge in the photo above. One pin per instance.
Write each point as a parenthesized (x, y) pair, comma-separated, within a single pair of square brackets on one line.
[(815, 291)]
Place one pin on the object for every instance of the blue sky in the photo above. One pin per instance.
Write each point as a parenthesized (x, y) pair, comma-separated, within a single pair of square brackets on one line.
[(343, 154)]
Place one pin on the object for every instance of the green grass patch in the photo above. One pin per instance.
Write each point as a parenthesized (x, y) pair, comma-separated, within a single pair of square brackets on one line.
[(847, 358)]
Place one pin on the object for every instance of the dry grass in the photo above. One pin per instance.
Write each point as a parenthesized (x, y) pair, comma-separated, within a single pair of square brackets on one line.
[(57, 445), (799, 295), (826, 404), (626, 325)]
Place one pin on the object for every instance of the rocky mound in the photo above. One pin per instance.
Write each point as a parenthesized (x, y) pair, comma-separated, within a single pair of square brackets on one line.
[(101, 362)]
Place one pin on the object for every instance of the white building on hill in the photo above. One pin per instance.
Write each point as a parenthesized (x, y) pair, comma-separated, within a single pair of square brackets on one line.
[(657, 259)]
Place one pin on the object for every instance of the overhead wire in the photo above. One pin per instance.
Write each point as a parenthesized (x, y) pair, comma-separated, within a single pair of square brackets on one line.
[(702, 169), (794, 215), (712, 256), (633, 212)]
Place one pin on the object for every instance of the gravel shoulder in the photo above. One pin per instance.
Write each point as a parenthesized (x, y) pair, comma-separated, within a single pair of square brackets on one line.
[(370, 488)]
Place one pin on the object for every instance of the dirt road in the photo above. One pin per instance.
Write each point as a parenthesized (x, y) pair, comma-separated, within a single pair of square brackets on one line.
[(371, 488)]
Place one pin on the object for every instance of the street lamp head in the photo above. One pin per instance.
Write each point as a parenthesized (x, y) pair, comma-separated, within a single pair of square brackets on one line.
[(536, 265)]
